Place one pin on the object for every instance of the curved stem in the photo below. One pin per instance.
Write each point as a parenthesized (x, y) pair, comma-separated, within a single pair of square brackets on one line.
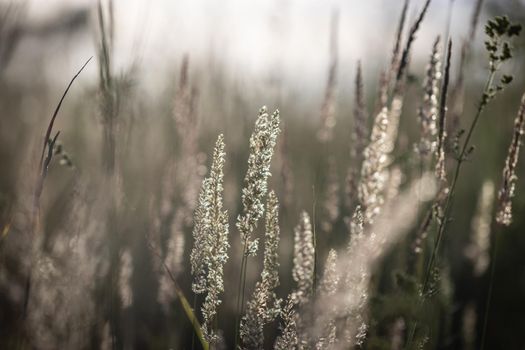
[(190, 313)]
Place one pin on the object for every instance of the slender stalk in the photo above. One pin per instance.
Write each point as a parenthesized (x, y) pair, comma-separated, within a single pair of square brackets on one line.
[(45, 161), (314, 242), (193, 335), (240, 293), (448, 203), (491, 286), (449, 200), (190, 314)]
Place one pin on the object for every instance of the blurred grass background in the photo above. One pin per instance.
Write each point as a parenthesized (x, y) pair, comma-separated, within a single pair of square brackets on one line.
[(240, 58)]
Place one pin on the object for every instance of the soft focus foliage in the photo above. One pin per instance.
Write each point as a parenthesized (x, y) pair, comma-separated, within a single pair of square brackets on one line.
[(132, 209)]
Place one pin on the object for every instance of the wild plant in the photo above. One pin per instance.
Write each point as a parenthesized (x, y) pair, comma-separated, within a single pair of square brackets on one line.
[(498, 32), (506, 192), (210, 249), (328, 117), (264, 307), (262, 144)]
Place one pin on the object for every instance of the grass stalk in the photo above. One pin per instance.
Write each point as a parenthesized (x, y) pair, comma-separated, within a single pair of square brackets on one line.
[(188, 310), (314, 242), (491, 286), (448, 203), (240, 292), (45, 161)]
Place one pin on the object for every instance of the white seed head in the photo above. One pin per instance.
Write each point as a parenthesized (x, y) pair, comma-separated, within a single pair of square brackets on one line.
[(262, 144)]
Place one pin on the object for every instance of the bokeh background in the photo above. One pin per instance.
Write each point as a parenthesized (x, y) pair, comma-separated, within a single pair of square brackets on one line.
[(231, 57)]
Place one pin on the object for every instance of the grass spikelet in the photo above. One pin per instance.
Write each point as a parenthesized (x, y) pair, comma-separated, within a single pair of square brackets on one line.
[(327, 288), (262, 144), (210, 234), (428, 112), (264, 306), (506, 192), (355, 326), (360, 130), (303, 259), (296, 308), (478, 249), (403, 63), (442, 134), (359, 139), (374, 173), (394, 62), (288, 339), (328, 120), (126, 271), (394, 116), (200, 238), (331, 200)]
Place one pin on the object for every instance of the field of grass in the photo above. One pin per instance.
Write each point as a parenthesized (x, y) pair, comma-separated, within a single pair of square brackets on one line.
[(218, 213)]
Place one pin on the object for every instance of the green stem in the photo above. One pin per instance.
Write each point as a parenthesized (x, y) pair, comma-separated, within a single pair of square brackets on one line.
[(190, 313), (191, 316)]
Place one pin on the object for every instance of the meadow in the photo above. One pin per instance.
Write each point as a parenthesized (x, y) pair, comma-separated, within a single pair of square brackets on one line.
[(213, 213)]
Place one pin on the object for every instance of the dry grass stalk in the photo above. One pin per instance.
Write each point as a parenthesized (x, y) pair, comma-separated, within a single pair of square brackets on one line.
[(210, 247), (367, 246), (394, 116), (331, 200), (403, 63), (288, 339), (264, 306), (506, 192), (396, 105), (374, 173), (303, 259), (42, 171), (295, 311), (442, 133), (478, 250), (394, 62), (327, 288), (262, 144), (328, 119), (458, 89), (428, 112), (181, 183), (109, 94), (124, 283), (358, 141), (286, 171)]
